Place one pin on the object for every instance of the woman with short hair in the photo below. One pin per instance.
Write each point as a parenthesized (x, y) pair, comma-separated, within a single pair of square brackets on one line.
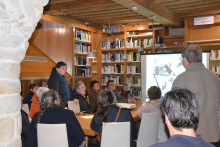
[(108, 111), (94, 93), (52, 113)]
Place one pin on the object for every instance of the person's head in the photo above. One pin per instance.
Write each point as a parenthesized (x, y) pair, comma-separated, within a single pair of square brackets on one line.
[(43, 83), (111, 85), (40, 92), (80, 88), (154, 92), (106, 97), (191, 54), (125, 87), (49, 99), (94, 85), (68, 81), (60, 68), (181, 109), (33, 88)]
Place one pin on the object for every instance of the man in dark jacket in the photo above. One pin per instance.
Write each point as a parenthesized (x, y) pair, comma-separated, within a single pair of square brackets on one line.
[(79, 96), (27, 100), (25, 125)]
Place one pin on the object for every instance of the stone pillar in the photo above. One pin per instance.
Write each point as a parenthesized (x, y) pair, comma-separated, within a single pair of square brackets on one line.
[(18, 19)]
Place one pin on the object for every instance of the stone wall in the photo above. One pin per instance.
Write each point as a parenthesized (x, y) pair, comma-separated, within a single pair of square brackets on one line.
[(18, 19)]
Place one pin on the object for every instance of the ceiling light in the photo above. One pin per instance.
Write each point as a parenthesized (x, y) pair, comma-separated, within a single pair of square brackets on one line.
[(134, 8), (91, 55)]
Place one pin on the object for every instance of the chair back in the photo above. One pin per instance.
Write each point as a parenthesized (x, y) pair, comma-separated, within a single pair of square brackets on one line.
[(73, 106), (52, 135), (148, 130), (26, 108), (115, 134), (163, 132)]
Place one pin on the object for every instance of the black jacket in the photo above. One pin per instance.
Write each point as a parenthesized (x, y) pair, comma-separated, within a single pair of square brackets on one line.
[(84, 105), (55, 83), (87, 94), (124, 116), (27, 99), (25, 127), (58, 115)]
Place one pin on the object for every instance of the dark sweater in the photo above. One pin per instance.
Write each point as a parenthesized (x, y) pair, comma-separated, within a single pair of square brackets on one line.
[(184, 141), (124, 116), (27, 99), (84, 105), (55, 83), (25, 127), (93, 98), (58, 115)]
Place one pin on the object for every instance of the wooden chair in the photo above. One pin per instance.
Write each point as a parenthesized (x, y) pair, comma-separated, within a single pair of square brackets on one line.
[(52, 135), (73, 106), (148, 130), (115, 134), (26, 108)]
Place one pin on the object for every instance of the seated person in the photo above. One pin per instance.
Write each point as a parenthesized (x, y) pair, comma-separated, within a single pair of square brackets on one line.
[(111, 86), (25, 125), (68, 81), (35, 106), (93, 96), (43, 83), (79, 97), (108, 111), (27, 99), (125, 92), (52, 113), (74, 90), (181, 110), (154, 104)]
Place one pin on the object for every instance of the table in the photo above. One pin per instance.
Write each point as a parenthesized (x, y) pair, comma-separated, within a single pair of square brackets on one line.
[(85, 123)]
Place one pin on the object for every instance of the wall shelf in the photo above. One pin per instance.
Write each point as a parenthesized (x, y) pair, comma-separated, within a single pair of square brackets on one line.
[(133, 61), (94, 72), (81, 41), (174, 36), (204, 41), (134, 73), (103, 50), (81, 53), (113, 62), (83, 65), (112, 73), (138, 36)]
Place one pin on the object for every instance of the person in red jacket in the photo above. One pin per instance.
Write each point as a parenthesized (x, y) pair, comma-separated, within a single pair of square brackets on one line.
[(35, 106)]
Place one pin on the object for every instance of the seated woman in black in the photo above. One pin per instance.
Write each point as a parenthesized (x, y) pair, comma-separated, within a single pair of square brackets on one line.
[(52, 113), (108, 111), (79, 96)]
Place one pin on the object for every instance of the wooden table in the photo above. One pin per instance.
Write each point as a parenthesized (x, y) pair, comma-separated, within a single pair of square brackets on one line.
[(85, 123)]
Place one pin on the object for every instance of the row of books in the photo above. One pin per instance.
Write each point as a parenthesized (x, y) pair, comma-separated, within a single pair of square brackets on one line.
[(111, 57), (117, 79), (158, 40), (133, 56), (216, 69), (132, 69), (84, 72), (82, 48), (113, 69), (215, 54), (148, 42), (110, 44), (136, 92), (134, 81), (133, 43), (83, 61), (82, 35)]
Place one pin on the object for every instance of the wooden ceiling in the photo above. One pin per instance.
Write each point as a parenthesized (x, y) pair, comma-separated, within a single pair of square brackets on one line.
[(96, 12)]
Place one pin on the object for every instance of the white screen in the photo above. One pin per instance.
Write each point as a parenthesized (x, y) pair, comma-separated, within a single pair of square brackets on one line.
[(162, 69)]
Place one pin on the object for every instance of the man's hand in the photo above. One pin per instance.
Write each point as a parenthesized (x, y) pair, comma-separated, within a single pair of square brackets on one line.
[(131, 101), (76, 101)]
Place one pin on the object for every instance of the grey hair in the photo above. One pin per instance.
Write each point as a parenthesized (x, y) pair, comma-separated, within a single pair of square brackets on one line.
[(104, 97), (78, 84), (124, 85), (40, 91), (193, 53)]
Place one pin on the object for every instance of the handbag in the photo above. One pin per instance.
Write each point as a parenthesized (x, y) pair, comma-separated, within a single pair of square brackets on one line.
[(98, 137)]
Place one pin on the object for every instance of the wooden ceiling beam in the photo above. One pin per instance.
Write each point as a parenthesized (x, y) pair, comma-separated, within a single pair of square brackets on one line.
[(199, 10), (187, 2), (161, 1), (194, 7), (59, 1), (147, 9), (82, 4), (206, 12)]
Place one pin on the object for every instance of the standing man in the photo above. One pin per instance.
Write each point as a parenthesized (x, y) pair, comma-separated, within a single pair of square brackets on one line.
[(206, 86)]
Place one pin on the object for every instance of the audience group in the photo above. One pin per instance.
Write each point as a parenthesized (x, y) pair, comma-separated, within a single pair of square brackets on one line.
[(189, 109)]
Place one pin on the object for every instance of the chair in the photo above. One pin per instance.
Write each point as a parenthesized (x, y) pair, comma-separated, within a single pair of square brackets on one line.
[(52, 135), (163, 132), (73, 106), (148, 130), (115, 134), (26, 108)]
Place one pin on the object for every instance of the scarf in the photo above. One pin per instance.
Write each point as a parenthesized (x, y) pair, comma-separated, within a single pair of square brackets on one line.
[(67, 90)]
